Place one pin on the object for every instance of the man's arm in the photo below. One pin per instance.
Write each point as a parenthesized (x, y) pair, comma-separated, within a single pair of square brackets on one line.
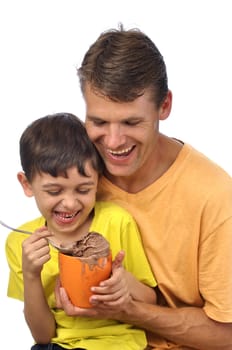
[(188, 326)]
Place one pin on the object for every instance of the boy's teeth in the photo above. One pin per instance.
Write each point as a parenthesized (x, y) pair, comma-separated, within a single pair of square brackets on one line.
[(68, 216)]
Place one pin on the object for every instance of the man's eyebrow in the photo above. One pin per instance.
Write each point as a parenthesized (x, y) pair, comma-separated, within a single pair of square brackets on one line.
[(92, 117), (128, 118)]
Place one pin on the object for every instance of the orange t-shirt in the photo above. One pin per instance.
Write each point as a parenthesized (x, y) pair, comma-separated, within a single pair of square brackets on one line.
[(185, 220)]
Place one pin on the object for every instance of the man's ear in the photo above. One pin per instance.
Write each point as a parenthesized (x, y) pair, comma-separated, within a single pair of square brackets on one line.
[(166, 106), (27, 188)]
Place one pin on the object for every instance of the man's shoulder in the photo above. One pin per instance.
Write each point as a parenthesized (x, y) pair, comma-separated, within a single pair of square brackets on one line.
[(199, 176), (203, 165)]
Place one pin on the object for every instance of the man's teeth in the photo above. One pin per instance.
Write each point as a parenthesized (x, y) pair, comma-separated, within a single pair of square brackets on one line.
[(124, 151)]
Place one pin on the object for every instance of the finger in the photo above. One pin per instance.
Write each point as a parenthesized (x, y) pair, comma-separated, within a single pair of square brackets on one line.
[(36, 241), (107, 297), (72, 310), (43, 232), (36, 249), (33, 258), (108, 287), (118, 260)]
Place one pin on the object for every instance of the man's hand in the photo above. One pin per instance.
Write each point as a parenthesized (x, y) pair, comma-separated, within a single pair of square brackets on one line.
[(109, 298)]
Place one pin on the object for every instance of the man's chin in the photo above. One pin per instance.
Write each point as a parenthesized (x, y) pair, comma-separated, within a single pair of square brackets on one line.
[(116, 171)]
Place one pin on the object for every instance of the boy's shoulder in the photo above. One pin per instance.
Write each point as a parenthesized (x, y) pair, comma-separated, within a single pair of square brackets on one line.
[(34, 224), (29, 226)]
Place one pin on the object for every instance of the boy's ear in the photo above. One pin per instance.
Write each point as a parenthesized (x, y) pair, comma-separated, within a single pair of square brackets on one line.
[(25, 184)]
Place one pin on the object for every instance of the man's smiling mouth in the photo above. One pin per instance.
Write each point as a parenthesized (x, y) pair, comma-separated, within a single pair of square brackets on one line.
[(123, 152)]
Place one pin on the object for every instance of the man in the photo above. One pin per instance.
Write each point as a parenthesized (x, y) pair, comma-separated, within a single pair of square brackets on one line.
[(181, 200)]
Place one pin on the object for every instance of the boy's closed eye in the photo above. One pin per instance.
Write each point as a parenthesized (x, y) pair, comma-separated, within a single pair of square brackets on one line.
[(79, 190)]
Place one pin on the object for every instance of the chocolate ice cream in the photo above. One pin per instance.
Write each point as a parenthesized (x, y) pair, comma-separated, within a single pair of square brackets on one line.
[(90, 248)]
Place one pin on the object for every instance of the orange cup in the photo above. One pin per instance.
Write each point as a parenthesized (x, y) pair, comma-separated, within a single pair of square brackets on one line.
[(77, 276)]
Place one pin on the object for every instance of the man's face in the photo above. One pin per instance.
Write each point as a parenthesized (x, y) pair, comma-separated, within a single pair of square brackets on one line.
[(125, 133)]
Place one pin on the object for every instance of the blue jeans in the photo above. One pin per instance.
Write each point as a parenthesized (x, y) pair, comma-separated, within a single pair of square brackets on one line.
[(50, 346)]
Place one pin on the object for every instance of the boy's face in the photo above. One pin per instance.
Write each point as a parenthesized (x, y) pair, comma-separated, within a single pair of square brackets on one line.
[(65, 203)]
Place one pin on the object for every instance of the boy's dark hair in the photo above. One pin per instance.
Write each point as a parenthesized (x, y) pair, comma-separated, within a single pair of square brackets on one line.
[(121, 64), (55, 143)]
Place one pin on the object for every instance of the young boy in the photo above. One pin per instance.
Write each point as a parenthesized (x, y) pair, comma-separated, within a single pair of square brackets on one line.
[(61, 168)]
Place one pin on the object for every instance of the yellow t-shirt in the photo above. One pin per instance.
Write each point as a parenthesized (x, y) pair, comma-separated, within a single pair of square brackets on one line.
[(120, 229), (185, 221)]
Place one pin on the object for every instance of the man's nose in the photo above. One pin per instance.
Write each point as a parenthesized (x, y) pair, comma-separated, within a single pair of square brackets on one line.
[(114, 137)]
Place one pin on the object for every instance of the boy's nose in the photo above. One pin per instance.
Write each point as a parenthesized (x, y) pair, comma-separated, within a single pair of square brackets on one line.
[(70, 202)]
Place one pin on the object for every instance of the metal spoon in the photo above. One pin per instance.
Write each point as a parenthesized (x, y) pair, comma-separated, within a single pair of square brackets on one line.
[(65, 250)]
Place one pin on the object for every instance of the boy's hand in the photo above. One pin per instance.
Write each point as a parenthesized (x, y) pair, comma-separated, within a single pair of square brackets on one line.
[(35, 252)]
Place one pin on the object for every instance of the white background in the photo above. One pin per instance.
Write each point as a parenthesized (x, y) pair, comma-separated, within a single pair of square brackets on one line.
[(42, 43)]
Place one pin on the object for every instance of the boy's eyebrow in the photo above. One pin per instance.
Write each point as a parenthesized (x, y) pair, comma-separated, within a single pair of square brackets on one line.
[(51, 184)]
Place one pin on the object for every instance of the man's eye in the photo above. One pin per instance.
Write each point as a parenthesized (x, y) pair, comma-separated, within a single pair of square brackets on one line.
[(132, 122), (98, 122)]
